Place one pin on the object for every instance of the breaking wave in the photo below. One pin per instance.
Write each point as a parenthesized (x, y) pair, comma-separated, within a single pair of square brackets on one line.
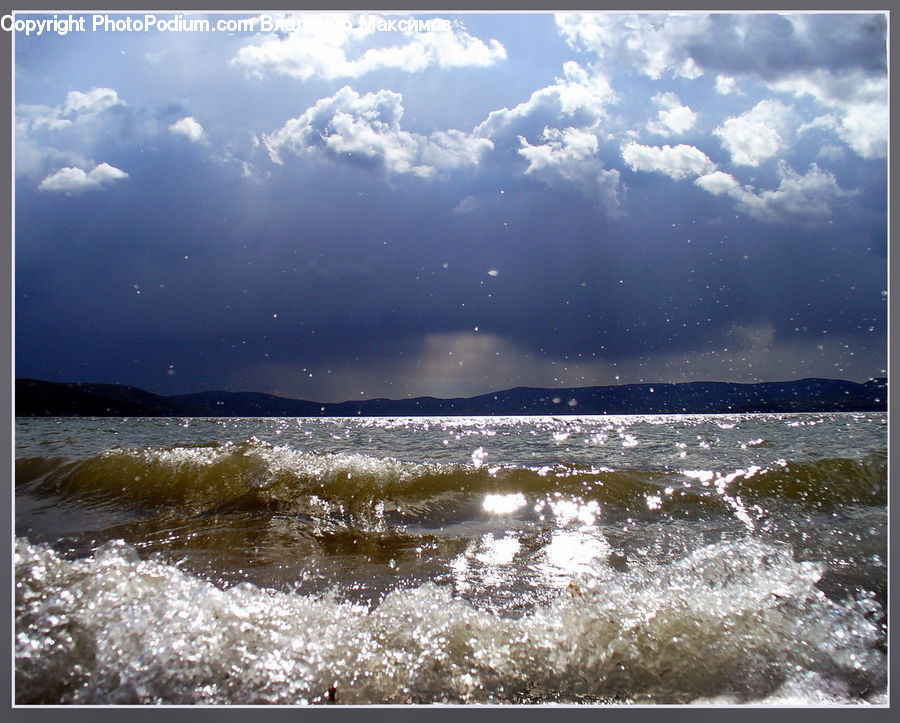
[(255, 476), (734, 622)]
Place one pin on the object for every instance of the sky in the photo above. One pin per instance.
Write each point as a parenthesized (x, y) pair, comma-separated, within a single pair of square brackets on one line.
[(328, 208)]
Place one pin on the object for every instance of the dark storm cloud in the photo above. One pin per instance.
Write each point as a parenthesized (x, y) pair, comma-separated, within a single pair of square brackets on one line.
[(772, 45)]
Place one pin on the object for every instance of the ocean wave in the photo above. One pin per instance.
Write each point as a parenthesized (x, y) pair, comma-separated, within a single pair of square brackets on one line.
[(256, 477), (732, 622)]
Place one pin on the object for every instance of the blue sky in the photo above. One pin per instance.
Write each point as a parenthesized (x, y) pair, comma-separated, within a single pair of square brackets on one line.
[(336, 212)]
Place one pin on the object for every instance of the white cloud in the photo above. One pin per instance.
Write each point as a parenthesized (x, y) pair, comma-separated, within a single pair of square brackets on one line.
[(39, 118), (859, 105), (679, 161), (650, 43), (75, 179), (190, 128), (40, 129), (453, 149), (78, 108), (562, 149), (841, 65), (568, 156), (575, 100), (366, 129), (726, 85), (673, 117), (718, 183), (758, 134), (806, 200), (91, 103), (332, 47)]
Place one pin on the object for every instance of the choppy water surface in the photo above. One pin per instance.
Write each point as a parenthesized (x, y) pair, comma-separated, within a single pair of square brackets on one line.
[(639, 559)]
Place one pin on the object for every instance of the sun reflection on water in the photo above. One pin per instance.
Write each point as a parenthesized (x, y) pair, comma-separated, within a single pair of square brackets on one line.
[(503, 504)]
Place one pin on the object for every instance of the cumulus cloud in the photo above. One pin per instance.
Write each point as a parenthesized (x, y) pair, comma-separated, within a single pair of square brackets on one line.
[(561, 150), (858, 105), (41, 130), (552, 131), (806, 200), (334, 46), (578, 99), (39, 117), (365, 128), (78, 107), (75, 179), (190, 128), (679, 161), (718, 183), (673, 117), (91, 103), (726, 85), (650, 43), (758, 134), (841, 65), (567, 156)]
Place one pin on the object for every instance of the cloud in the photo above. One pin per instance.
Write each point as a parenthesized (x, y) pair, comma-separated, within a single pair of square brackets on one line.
[(40, 117), (190, 128), (758, 134), (575, 100), (764, 46), (78, 108), (718, 183), (649, 43), (726, 85), (568, 156), (91, 103), (673, 117), (677, 162), (75, 179), (453, 149), (366, 129), (841, 65), (335, 48), (40, 129), (805, 200), (562, 149), (467, 205), (859, 105), (832, 153)]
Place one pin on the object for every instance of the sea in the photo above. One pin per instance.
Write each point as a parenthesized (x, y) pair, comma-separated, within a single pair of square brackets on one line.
[(704, 560)]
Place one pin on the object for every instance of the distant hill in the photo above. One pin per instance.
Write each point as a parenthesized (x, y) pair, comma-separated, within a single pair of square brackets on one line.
[(51, 399)]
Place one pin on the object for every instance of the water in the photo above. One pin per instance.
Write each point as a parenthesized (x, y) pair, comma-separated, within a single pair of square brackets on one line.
[(722, 559)]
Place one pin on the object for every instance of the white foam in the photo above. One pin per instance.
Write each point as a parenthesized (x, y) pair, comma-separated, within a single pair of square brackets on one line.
[(741, 616)]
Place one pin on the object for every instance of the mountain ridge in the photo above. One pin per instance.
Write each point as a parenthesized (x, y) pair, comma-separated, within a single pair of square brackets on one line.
[(41, 398)]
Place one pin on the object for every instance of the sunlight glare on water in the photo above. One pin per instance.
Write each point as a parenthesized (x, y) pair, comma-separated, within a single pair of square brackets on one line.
[(503, 504)]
